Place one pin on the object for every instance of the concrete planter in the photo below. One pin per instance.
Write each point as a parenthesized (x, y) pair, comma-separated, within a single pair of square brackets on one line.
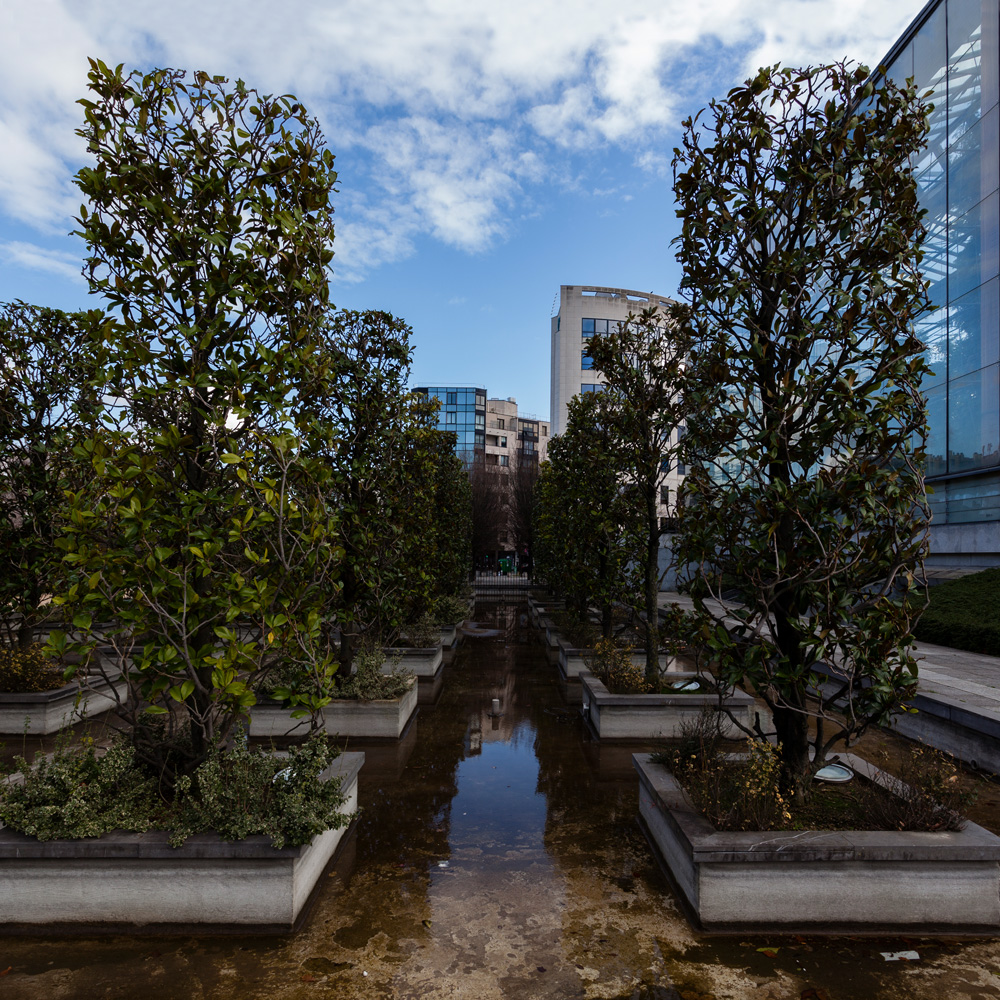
[(821, 881), (423, 662), (125, 880), (551, 640), (655, 716), (384, 719), (40, 713)]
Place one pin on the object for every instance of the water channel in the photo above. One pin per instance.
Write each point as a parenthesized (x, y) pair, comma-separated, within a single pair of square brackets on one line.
[(495, 858)]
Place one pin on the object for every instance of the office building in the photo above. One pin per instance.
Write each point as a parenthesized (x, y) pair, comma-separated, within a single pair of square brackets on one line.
[(953, 49)]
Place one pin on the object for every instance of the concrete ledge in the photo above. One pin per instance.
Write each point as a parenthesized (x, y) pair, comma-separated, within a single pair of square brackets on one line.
[(40, 713), (124, 880), (423, 662), (573, 661), (821, 882), (383, 719), (652, 716)]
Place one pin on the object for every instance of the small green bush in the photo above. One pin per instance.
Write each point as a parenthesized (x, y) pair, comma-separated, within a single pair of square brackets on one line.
[(236, 792), (368, 683), (964, 614), (451, 609), (422, 633), (613, 665), (76, 793), (28, 669)]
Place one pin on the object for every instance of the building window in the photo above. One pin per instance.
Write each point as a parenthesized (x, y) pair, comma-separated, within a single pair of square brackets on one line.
[(480, 419), (545, 430), (591, 387), (665, 496), (588, 327), (449, 417), (586, 361), (452, 398), (503, 442), (665, 464), (500, 423), (504, 460)]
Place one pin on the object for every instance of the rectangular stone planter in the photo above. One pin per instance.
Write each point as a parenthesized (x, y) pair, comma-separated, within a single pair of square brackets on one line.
[(40, 713), (821, 881), (656, 716), (384, 719), (129, 880), (423, 662)]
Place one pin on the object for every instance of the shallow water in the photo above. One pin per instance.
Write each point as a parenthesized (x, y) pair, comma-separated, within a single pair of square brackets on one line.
[(495, 858)]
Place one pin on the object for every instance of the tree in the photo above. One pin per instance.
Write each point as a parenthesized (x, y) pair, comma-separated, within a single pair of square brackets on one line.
[(204, 536), (47, 401), (490, 488), (523, 474), (800, 247), (645, 362), (584, 527)]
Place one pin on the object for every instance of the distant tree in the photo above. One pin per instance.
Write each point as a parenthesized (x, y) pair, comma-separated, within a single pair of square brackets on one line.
[(523, 474), (490, 489), (800, 245), (646, 362), (48, 400), (585, 527)]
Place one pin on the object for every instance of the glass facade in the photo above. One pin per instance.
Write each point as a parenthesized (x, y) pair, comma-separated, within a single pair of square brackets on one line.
[(463, 411), (954, 50)]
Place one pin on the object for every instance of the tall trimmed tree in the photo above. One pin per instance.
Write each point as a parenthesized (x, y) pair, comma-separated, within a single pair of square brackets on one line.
[(800, 245)]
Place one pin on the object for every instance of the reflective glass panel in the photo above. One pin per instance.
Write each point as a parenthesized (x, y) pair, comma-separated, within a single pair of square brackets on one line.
[(974, 420), (937, 425), (974, 330)]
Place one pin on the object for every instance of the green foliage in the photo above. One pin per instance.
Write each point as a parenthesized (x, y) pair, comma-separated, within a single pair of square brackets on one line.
[(613, 665), (583, 549), (205, 533), (28, 669), (47, 401), (646, 363), (800, 245), (77, 793), (450, 609), (422, 633), (236, 792), (964, 614), (735, 792), (240, 791), (368, 683)]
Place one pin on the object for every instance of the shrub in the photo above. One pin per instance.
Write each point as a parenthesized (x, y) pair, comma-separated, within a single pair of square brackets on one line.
[(613, 665), (235, 791), (927, 795), (451, 609), (238, 792), (964, 614), (75, 794), (28, 669), (733, 791), (422, 633), (368, 683)]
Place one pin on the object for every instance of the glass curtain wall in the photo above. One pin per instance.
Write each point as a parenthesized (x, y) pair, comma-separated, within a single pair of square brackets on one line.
[(955, 52), (463, 411)]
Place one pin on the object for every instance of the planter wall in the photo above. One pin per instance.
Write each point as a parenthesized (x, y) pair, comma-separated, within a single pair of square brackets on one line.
[(126, 880), (821, 881), (40, 713), (424, 663), (653, 716), (573, 661), (348, 717)]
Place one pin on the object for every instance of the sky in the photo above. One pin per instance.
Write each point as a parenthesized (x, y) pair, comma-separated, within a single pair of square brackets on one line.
[(487, 153)]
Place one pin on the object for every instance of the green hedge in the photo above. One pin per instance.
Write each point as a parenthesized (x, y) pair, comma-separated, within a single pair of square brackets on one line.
[(964, 614)]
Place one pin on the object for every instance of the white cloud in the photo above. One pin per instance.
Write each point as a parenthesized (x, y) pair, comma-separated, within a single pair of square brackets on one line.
[(35, 258), (456, 109)]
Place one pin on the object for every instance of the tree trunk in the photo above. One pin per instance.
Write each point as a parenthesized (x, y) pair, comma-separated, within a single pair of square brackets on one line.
[(652, 588)]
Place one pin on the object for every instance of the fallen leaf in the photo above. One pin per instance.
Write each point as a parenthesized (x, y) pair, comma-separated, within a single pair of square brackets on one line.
[(813, 993), (308, 978), (770, 952), (901, 956), (5, 971)]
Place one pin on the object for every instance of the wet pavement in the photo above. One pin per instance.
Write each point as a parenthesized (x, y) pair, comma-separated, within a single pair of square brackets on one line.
[(496, 858)]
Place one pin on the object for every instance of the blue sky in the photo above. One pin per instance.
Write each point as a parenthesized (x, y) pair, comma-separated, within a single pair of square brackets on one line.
[(487, 153)]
